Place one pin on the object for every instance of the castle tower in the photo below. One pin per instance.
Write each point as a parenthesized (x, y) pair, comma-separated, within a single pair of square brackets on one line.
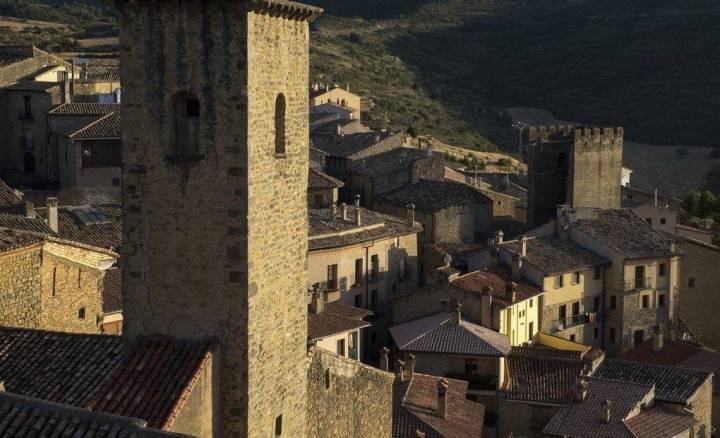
[(215, 152), (578, 167)]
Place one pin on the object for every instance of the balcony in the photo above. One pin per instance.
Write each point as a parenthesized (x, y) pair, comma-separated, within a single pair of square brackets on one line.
[(639, 283), (576, 320), (476, 382)]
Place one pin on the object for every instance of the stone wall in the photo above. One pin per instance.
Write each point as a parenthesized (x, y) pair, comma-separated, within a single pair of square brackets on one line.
[(242, 278), (523, 419), (503, 205), (20, 287), (701, 406), (347, 398), (595, 168), (430, 299)]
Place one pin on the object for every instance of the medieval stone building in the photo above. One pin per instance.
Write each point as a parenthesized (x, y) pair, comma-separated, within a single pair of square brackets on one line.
[(579, 167)]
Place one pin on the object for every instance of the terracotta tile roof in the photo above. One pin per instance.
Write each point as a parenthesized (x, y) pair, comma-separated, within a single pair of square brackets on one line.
[(27, 417), (438, 334), (325, 233), (582, 419), (12, 239), (105, 234), (105, 127), (672, 384), (21, 223), (336, 318), (149, 380), (112, 293), (32, 86), (659, 422), (542, 374), (431, 196), (415, 409), (496, 279), (349, 145), (9, 60), (387, 162), (680, 354), (10, 202), (625, 232), (84, 109), (320, 180), (552, 255)]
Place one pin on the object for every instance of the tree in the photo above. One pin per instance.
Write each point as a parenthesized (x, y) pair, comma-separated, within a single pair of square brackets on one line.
[(708, 204), (691, 202), (412, 131)]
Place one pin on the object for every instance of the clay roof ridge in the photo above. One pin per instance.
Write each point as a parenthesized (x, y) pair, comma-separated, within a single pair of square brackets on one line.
[(94, 122)]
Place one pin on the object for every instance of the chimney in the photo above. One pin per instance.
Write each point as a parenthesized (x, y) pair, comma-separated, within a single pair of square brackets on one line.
[(511, 291), (52, 214), (419, 434), (357, 200), (499, 236), (605, 412), (658, 339), (343, 208), (486, 309), (517, 263), (581, 390), (401, 370), (28, 209), (358, 218), (429, 150), (456, 313), (385, 359), (348, 88), (442, 387), (338, 130), (72, 77), (411, 215), (523, 246), (656, 196), (411, 366), (333, 212), (317, 306)]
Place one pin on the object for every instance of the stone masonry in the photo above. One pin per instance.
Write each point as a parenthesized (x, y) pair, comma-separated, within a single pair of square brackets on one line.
[(242, 275)]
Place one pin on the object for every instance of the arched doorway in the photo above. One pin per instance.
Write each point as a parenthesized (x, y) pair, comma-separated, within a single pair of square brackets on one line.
[(29, 164)]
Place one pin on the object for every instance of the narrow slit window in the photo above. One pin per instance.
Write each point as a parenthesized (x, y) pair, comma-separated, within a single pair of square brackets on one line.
[(280, 140)]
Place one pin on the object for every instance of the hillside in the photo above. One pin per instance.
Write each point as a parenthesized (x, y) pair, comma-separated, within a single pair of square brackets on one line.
[(449, 67)]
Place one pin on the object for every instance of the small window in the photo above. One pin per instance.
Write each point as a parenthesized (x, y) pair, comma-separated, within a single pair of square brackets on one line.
[(27, 107), (81, 313), (531, 302), (332, 278), (563, 311), (340, 347), (598, 273), (358, 301), (79, 279), (187, 126), (374, 266), (327, 379), (663, 221), (691, 282), (661, 300), (648, 220), (613, 302), (595, 333), (54, 281), (280, 140), (576, 278), (645, 301), (612, 335), (576, 308), (471, 366), (572, 338), (358, 271), (558, 281), (531, 329), (278, 426), (661, 269)]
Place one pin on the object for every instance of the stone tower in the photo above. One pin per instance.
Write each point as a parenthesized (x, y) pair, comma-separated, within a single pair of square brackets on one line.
[(578, 167), (215, 152)]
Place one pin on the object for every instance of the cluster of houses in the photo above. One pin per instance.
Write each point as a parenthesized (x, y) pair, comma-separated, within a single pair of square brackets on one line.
[(525, 305)]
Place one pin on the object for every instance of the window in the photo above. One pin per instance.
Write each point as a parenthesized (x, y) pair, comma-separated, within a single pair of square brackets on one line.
[(576, 278), (318, 200), (558, 281), (54, 280), (358, 271), (471, 366), (661, 300), (638, 337), (639, 277), (341, 347), (81, 313), (373, 299), (374, 266), (612, 335), (29, 162), (332, 282), (596, 304), (613, 302), (358, 301), (280, 126), (563, 311), (328, 380), (27, 107), (691, 282), (187, 126), (598, 273), (661, 269), (278, 426), (531, 330), (79, 278), (572, 338), (576, 308), (645, 301), (663, 221), (595, 333), (648, 220), (531, 302)]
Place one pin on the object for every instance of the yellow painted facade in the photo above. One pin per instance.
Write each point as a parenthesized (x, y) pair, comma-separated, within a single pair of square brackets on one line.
[(521, 321)]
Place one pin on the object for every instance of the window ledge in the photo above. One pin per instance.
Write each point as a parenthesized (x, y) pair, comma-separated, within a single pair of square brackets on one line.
[(179, 159), (280, 155)]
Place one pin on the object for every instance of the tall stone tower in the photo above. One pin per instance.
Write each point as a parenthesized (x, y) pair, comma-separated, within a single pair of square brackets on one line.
[(215, 151), (578, 167)]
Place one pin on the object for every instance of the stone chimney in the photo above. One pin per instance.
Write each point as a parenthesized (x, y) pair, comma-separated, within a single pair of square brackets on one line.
[(400, 370), (52, 214), (456, 312), (606, 412), (658, 339), (317, 306), (523, 246), (357, 200), (410, 366), (486, 310), (581, 390), (344, 210), (385, 359), (377, 138), (517, 262), (442, 387), (429, 150), (333, 212), (511, 291), (411, 215), (28, 209), (358, 216)]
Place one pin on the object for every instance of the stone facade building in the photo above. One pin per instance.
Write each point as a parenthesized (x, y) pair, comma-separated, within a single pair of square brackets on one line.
[(579, 167), (322, 189), (336, 100)]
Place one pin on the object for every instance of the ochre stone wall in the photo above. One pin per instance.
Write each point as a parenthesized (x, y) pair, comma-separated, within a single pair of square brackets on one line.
[(20, 287), (216, 243), (595, 168), (347, 398)]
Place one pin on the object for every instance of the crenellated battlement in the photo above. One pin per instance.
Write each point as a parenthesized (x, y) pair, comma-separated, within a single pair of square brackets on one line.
[(598, 136), (549, 133), (576, 134)]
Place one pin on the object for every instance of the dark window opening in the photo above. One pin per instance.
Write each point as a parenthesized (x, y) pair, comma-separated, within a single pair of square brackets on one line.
[(280, 107), (639, 337), (572, 338), (563, 311), (278, 426), (613, 302), (29, 162), (663, 221), (187, 126), (691, 282), (598, 273), (645, 301), (358, 301), (27, 107), (661, 300), (576, 308), (332, 282), (81, 313), (612, 335), (661, 269), (101, 154), (358, 271)]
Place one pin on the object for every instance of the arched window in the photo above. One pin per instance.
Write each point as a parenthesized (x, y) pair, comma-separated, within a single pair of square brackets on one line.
[(187, 126), (29, 162), (343, 103), (280, 106)]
